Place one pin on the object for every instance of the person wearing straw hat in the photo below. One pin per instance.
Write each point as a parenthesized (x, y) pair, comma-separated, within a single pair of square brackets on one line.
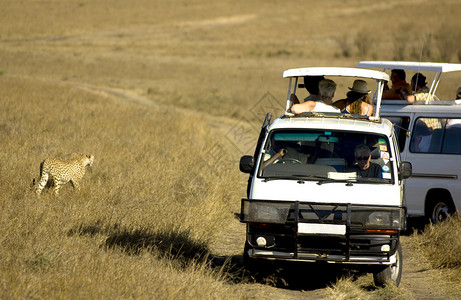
[(419, 88), (357, 101)]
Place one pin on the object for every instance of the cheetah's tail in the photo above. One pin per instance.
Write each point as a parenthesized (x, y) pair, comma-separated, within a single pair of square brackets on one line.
[(41, 169), (32, 185)]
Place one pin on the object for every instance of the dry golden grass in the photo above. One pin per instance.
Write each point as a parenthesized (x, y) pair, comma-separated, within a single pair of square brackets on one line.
[(149, 207), (216, 57), (439, 245), (135, 83)]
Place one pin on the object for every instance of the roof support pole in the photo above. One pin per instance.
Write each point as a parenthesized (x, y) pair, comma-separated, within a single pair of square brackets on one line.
[(435, 83), (379, 93), (289, 93), (288, 96)]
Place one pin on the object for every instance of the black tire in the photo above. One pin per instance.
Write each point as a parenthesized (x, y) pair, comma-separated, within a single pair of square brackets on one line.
[(391, 274), (440, 212), (247, 260)]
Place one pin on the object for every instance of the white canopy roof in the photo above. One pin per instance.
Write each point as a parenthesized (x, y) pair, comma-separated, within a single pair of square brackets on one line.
[(334, 71), (409, 65)]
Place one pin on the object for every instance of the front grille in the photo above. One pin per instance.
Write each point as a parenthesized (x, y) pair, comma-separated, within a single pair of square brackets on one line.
[(355, 243), (305, 212)]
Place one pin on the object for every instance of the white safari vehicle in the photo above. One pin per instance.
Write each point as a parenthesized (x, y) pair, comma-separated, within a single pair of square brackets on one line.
[(429, 136), (309, 206)]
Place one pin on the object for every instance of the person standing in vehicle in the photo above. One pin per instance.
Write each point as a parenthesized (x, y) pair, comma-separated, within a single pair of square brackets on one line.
[(400, 88), (311, 83), (357, 101), (421, 91), (363, 167), (327, 88)]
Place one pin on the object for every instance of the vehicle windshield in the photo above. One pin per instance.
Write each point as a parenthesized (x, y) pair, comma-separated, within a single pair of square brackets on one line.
[(326, 156)]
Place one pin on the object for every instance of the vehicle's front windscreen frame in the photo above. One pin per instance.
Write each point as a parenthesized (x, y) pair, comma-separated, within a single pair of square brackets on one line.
[(319, 154)]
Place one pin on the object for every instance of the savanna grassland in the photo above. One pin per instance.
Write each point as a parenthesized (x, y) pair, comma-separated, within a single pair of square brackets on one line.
[(167, 95)]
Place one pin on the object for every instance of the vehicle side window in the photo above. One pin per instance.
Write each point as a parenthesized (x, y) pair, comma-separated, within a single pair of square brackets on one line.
[(436, 135), (452, 138), (401, 129)]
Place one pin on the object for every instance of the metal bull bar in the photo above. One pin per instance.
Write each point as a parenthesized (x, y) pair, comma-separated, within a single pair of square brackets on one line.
[(323, 231)]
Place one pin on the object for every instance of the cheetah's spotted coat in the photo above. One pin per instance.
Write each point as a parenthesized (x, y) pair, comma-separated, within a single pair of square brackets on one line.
[(62, 172)]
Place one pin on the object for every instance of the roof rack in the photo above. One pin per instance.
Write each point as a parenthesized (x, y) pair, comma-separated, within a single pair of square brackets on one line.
[(437, 103), (410, 65), (379, 76), (438, 68), (335, 71)]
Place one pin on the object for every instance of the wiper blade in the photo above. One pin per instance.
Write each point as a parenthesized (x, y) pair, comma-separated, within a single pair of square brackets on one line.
[(301, 178), (371, 179), (329, 180), (283, 177)]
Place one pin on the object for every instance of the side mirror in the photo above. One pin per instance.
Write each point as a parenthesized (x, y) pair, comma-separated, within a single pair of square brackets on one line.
[(405, 170), (247, 164)]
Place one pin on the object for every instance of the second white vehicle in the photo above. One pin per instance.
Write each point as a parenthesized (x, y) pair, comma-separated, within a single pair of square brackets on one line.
[(429, 136)]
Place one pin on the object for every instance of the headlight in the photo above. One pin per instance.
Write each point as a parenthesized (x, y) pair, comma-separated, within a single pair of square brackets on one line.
[(264, 211), (378, 217)]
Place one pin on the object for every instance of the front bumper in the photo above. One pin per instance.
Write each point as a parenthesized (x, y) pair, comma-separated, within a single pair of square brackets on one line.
[(313, 232)]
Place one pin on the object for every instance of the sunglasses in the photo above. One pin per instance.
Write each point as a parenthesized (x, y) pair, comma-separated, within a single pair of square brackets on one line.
[(361, 158)]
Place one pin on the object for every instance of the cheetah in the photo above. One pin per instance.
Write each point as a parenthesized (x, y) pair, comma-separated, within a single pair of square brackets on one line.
[(62, 172)]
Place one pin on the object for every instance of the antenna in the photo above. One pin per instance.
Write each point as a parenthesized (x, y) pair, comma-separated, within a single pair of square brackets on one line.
[(421, 55), (420, 59)]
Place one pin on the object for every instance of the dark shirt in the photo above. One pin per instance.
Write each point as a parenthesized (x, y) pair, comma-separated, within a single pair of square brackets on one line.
[(373, 171)]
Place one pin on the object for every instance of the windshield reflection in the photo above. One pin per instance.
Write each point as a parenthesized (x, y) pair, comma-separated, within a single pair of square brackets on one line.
[(327, 156)]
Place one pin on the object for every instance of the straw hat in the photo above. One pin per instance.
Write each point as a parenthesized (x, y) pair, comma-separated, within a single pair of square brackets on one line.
[(360, 86)]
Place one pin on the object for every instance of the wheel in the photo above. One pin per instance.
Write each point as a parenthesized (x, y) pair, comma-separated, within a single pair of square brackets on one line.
[(441, 211), (391, 274), (288, 161), (247, 260)]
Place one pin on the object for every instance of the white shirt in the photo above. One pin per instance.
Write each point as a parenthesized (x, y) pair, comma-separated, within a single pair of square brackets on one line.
[(322, 107)]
